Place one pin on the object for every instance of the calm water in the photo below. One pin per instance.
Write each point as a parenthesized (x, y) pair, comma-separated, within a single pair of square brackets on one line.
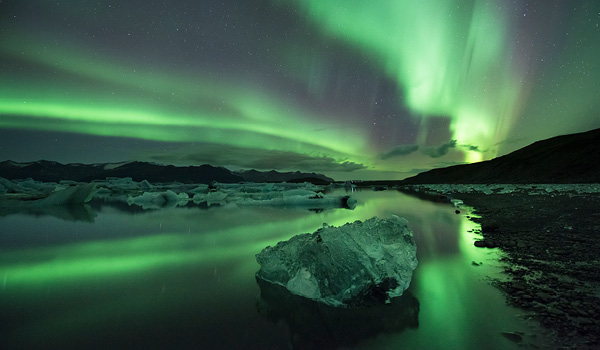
[(184, 278)]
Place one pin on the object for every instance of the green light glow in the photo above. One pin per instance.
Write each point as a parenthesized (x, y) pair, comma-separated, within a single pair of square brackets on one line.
[(450, 57), (109, 259), (190, 259), (323, 81), (108, 120), (105, 260), (164, 107)]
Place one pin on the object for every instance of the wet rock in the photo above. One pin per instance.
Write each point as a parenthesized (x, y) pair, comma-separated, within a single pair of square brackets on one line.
[(354, 265), (555, 312), (519, 286), (558, 262), (480, 244), (488, 225), (545, 297), (513, 336), (490, 244)]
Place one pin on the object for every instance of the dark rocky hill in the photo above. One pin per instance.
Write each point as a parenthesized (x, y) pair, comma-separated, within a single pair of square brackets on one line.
[(44, 170), (275, 176), (573, 158), (52, 171)]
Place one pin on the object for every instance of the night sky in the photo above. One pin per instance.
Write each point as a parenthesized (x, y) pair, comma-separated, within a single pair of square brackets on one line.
[(351, 89)]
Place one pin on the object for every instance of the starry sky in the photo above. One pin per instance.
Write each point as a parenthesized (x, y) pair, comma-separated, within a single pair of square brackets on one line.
[(351, 89)]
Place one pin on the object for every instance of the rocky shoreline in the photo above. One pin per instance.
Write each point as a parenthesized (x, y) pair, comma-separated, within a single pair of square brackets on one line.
[(552, 257)]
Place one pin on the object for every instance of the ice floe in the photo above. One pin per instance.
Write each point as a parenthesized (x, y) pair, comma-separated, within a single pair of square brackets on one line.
[(164, 195), (354, 265)]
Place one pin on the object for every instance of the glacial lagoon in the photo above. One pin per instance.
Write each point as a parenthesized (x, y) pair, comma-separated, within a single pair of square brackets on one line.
[(118, 276)]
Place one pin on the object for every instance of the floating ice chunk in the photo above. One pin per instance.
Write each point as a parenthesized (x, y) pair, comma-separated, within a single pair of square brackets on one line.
[(124, 184), (456, 202), (313, 201), (268, 187), (156, 200), (7, 186), (29, 186), (38, 186), (145, 185), (200, 189), (217, 197), (299, 192), (31, 193), (356, 264), (79, 194)]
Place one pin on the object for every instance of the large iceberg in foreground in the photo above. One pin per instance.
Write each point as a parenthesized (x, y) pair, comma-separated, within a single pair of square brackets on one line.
[(357, 264)]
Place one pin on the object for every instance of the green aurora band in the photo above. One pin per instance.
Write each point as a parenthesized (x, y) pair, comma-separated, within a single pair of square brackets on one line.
[(100, 97), (451, 58), (474, 71)]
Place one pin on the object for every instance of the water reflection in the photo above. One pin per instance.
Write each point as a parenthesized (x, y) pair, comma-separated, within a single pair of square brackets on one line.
[(72, 212), (164, 276), (314, 325)]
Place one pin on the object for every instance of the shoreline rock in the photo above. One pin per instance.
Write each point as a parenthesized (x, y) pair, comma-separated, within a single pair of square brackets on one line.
[(551, 245)]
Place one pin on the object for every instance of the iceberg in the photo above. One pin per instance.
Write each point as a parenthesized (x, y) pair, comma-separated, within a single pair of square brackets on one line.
[(354, 265), (78, 194), (211, 198), (157, 200), (27, 186), (304, 195), (312, 201)]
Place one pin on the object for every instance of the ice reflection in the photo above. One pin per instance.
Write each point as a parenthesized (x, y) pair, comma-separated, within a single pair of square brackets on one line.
[(314, 325), (73, 212)]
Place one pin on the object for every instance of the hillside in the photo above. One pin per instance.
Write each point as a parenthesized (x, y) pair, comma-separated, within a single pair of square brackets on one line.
[(573, 158), (44, 170)]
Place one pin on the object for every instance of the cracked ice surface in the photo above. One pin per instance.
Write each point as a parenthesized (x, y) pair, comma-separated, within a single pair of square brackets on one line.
[(356, 264)]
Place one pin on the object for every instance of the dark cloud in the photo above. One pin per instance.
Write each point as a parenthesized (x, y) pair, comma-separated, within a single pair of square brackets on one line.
[(439, 151), (254, 158), (471, 148), (401, 150)]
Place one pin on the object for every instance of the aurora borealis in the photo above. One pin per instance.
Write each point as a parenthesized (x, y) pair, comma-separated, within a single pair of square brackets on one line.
[(352, 89)]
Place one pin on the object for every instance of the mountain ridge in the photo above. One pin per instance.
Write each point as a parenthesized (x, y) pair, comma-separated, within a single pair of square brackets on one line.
[(571, 158), (50, 171), (275, 176)]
